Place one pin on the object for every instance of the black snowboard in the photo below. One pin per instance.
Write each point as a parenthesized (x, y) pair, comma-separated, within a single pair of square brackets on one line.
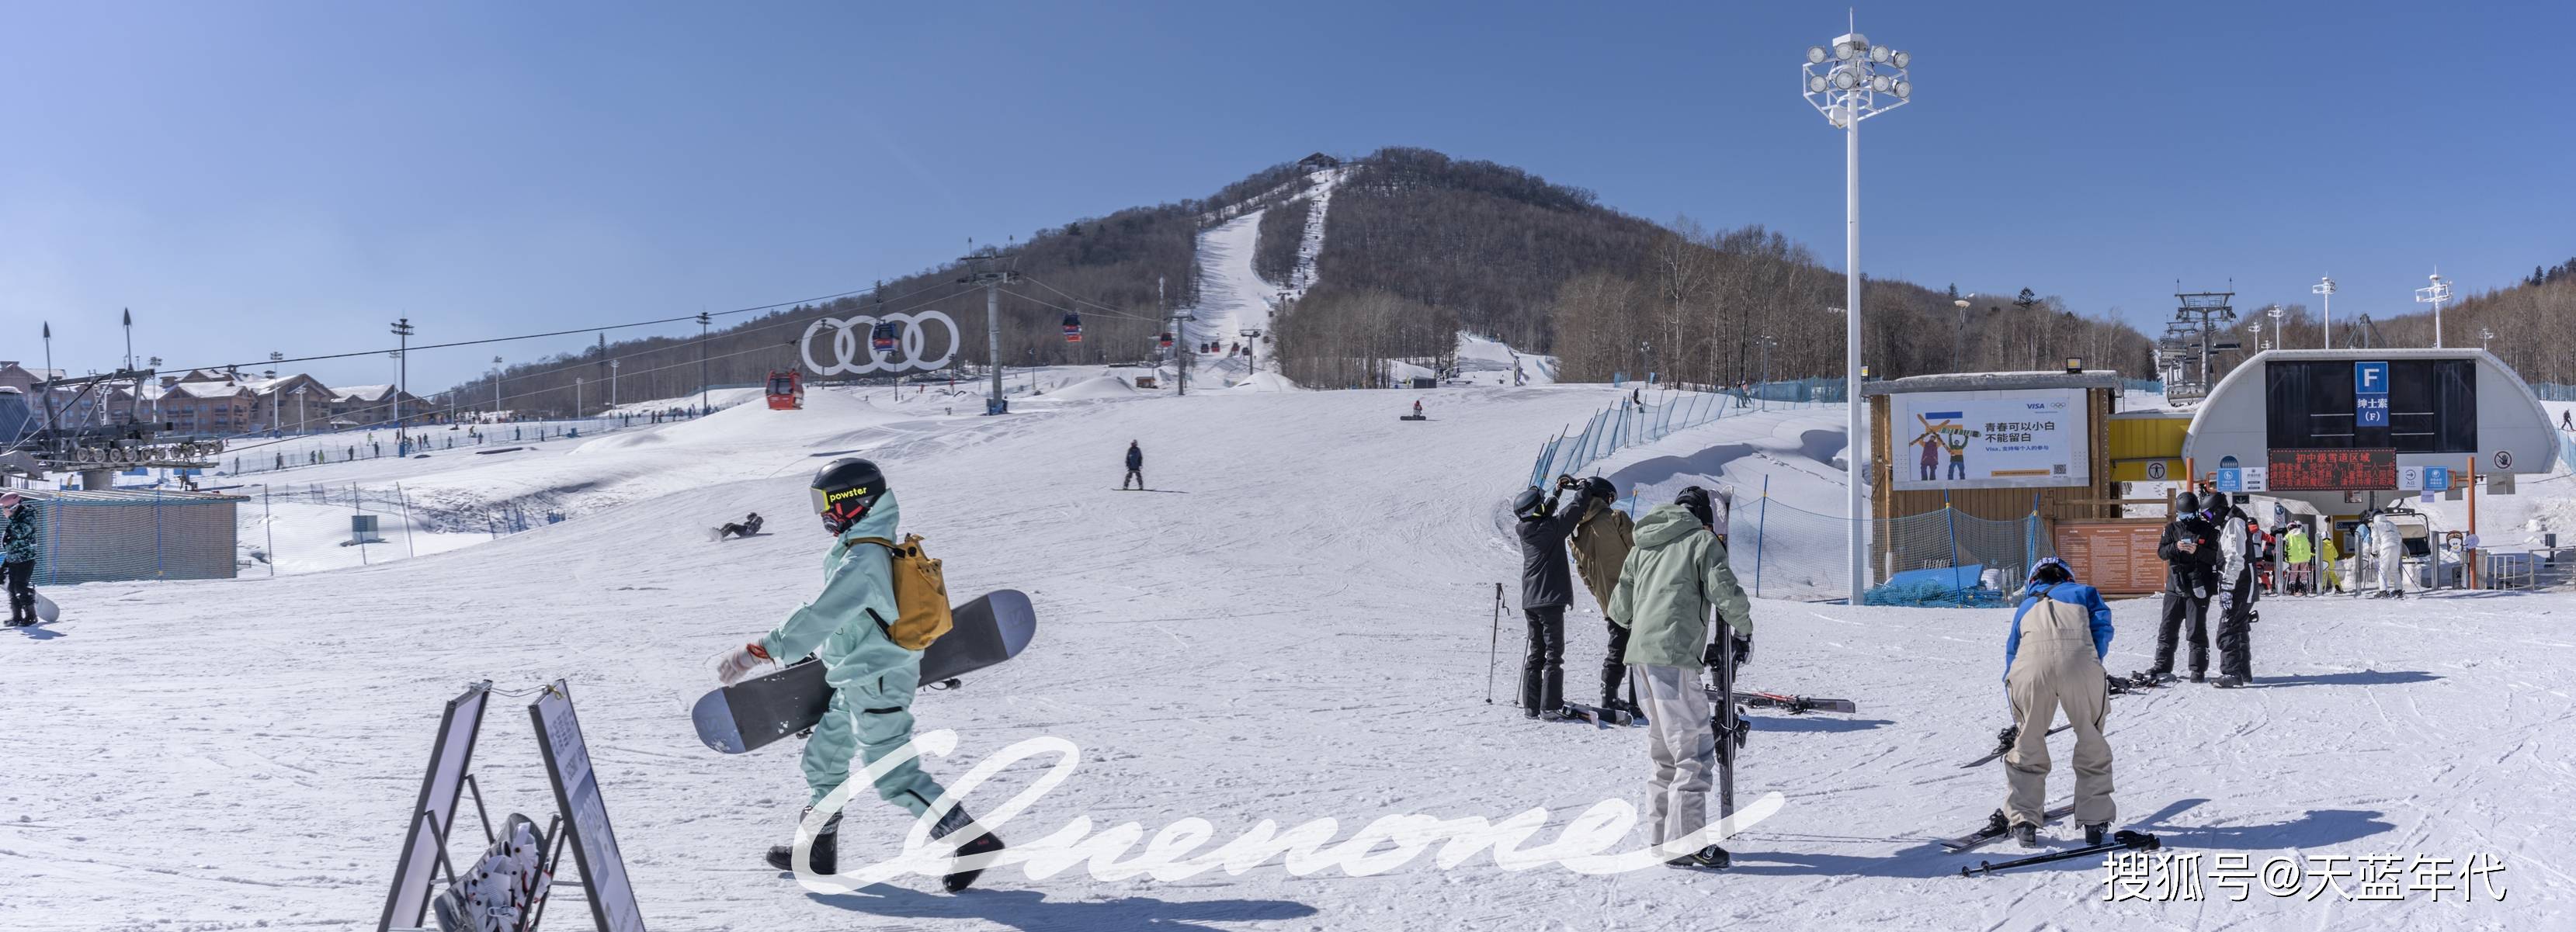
[(757, 711)]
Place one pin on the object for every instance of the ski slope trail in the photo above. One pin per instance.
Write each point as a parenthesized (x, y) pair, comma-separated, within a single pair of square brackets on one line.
[(1297, 626), (1232, 297)]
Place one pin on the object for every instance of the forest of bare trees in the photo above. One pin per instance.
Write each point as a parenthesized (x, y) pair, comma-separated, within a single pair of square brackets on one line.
[(1545, 268), (1418, 246)]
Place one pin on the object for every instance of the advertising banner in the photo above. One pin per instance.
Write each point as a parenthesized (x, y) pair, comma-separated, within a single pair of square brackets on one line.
[(2332, 470), (1988, 440)]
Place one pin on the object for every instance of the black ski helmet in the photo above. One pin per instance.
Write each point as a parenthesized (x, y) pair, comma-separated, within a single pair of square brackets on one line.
[(2186, 503), (1695, 500), (1529, 505), (2214, 502), (845, 490), (1600, 488)]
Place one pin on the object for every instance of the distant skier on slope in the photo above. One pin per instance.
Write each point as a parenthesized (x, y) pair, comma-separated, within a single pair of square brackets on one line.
[(1667, 587), (749, 525), (1546, 589), (2053, 660), (1135, 467), (18, 543), (1602, 539), (850, 627)]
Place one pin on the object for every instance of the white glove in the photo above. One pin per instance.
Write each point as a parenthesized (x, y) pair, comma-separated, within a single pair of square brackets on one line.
[(733, 665)]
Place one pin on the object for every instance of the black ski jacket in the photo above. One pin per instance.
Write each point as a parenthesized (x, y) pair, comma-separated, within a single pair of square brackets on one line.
[(1135, 458), (2185, 572), (1545, 581)]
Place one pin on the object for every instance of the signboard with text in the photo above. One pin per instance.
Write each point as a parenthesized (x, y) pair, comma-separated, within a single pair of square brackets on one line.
[(2370, 394), (1988, 439), (2114, 557), (2331, 470)]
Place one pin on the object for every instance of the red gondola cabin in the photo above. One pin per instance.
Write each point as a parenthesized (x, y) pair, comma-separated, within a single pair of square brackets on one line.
[(786, 390)]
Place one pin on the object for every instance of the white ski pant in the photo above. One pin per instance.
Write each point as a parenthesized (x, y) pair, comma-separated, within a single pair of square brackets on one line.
[(1684, 748), (2392, 571)]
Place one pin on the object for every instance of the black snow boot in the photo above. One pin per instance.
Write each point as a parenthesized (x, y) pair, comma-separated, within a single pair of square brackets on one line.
[(826, 854), (1709, 858), (2230, 682), (2027, 834), (983, 842), (2094, 833)]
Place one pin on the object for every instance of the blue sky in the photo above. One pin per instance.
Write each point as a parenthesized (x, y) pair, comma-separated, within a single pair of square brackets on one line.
[(292, 176)]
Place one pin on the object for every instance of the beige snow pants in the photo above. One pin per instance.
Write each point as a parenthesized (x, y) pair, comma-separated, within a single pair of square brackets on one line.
[(2055, 668)]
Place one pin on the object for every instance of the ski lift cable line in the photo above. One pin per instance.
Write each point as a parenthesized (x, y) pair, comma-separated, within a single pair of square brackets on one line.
[(684, 363), (1096, 310), (557, 333), (1102, 308)]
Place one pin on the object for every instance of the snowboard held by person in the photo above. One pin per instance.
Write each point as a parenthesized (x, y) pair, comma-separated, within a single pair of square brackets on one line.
[(1546, 589), (1602, 539), (1672, 580), (1135, 467), (2052, 661), (18, 546), (848, 626)]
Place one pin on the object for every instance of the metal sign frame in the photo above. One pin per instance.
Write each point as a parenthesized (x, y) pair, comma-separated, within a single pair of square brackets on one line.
[(424, 851), (585, 815)]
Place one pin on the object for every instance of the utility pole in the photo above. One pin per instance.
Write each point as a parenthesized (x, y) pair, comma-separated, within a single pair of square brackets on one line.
[(702, 362), (992, 280), (134, 406), (496, 389), (612, 382), (51, 424), (402, 377), (2325, 286), (2434, 294)]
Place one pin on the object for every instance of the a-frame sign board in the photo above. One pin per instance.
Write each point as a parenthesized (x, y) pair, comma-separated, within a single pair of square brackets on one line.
[(425, 842), (594, 847), (580, 813)]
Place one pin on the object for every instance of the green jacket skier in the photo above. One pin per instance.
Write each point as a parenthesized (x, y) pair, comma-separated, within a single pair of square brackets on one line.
[(873, 678), (1667, 587)]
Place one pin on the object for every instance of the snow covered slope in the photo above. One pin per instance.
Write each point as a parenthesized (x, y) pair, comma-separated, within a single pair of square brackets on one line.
[(1297, 626)]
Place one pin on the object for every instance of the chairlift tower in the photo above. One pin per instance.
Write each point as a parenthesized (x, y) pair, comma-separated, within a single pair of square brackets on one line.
[(2192, 334)]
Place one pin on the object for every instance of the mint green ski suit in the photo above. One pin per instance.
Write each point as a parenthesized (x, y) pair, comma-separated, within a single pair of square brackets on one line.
[(873, 678)]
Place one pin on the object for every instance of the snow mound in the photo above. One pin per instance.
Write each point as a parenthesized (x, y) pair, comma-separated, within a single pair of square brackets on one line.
[(1097, 387), (1264, 382), (1486, 361)]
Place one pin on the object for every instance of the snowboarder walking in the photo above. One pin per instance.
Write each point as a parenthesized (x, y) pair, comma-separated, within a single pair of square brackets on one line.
[(2052, 661), (1546, 589), (18, 557), (2190, 551), (1602, 538), (1135, 467), (1667, 587), (849, 626)]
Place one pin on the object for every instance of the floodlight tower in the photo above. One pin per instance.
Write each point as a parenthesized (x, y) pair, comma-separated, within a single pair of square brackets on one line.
[(2325, 286), (1850, 81), (2434, 294)]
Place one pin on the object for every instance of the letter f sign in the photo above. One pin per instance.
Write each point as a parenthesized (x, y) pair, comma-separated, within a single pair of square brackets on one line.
[(2370, 378)]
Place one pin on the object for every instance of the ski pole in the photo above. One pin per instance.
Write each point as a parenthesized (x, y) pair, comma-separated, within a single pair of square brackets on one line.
[(1493, 650), (2134, 841)]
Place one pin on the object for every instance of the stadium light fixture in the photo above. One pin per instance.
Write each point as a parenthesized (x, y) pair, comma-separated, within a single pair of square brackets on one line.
[(1862, 81), (2434, 294), (2074, 365), (2325, 286)]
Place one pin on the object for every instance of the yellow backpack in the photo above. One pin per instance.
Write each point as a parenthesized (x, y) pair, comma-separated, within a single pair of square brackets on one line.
[(920, 593)]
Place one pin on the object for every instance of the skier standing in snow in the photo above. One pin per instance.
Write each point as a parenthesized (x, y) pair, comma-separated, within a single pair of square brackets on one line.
[(2190, 551), (1674, 577), (2053, 660), (850, 626), (2237, 592), (2297, 552), (18, 557), (2390, 547), (1135, 467), (1546, 589), (1602, 538)]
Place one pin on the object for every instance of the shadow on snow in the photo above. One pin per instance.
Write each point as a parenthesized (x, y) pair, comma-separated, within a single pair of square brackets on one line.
[(1031, 911)]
